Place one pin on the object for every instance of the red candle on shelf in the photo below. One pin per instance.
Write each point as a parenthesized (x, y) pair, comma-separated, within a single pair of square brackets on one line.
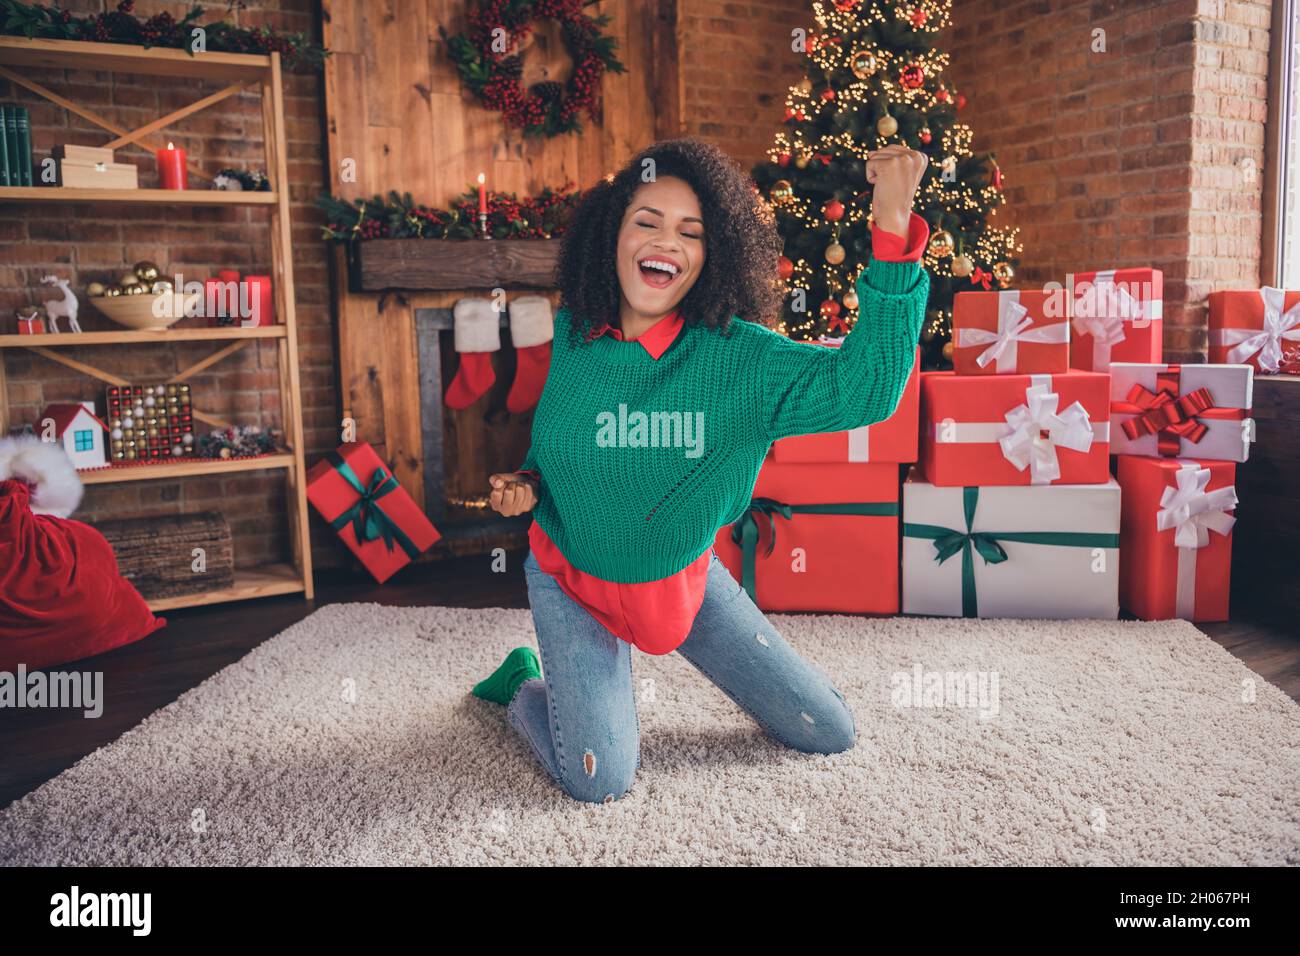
[(482, 193), (171, 168), (261, 306)]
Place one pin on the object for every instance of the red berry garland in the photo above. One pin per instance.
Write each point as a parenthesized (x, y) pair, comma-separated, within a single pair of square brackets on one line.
[(547, 109)]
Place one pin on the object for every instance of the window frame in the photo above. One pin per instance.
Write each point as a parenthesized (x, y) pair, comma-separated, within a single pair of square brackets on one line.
[(1281, 139)]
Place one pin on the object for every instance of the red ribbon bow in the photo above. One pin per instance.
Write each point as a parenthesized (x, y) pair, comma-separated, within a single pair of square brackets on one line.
[(980, 277), (1164, 414), (834, 322)]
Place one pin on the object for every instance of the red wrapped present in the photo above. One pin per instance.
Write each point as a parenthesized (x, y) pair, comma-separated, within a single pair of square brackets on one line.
[(31, 325), (1171, 410), (1176, 537), (1118, 316), (1015, 429), (356, 493), (1009, 333), (818, 537), (1259, 328), (894, 439)]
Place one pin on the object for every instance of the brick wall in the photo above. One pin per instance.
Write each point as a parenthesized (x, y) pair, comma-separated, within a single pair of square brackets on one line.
[(1145, 153), (98, 242), (737, 66)]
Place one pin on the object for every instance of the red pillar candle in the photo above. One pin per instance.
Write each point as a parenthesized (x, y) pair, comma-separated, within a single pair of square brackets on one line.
[(261, 303), (171, 168), (482, 193)]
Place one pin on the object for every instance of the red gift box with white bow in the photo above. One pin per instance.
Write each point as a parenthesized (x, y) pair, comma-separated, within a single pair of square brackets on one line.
[(893, 439), (1010, 333), (1167, 411), (1116, 315), (1259, 328), (1176, 518), (1015, 429)]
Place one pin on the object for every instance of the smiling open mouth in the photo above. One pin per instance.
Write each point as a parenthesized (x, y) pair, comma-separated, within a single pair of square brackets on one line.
[(657, 272)]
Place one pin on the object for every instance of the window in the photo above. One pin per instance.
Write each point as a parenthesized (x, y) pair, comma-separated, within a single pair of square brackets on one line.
[(1281, 247), (85, 439)]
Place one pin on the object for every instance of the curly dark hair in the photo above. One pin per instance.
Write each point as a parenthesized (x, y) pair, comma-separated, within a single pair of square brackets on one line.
[(739, 277)]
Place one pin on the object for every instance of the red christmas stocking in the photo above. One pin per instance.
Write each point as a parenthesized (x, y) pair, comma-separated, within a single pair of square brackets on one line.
[(531, 329), (477, 333)]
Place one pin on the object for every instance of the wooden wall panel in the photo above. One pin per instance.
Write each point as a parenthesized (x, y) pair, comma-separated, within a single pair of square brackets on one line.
[(395, 106)]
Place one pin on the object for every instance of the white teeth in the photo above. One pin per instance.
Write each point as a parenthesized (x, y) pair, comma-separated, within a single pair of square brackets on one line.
[(660, 265)]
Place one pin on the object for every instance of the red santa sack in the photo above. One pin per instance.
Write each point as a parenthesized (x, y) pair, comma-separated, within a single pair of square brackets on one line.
[(61, 596)]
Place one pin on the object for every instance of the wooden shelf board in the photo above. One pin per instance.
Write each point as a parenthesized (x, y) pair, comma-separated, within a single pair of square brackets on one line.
[(128, 58), (263, 581), (175, 197), (184, 469), (149, 337)]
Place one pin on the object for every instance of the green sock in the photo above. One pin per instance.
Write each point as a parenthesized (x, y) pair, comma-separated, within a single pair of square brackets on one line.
[(520, 665)]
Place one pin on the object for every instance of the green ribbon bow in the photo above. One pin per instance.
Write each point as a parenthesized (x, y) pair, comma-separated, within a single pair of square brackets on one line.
[(369, 521), (745, 531), (948, 541)]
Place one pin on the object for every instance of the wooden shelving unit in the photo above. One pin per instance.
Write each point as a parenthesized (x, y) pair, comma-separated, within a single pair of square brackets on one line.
[(242, 71)]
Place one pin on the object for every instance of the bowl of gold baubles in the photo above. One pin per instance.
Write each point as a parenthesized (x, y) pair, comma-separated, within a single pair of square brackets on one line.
[(142, 299)]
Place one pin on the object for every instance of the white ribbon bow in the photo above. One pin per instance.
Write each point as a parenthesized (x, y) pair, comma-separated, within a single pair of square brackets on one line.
[(1278, 325), (1105, 324), (1193, 511), (1037, 429), (1014, 326)]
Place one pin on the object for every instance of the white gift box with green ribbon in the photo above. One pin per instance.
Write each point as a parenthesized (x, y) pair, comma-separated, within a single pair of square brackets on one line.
[(1037, 551)]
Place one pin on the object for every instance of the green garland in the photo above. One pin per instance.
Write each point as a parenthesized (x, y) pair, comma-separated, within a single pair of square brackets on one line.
[(36, 21), (398, 216)]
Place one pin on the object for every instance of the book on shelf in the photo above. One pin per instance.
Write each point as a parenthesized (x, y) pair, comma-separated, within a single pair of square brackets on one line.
[(16, 160)]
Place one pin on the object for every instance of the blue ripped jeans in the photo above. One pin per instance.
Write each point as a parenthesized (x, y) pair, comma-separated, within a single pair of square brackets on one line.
[(580, 718)]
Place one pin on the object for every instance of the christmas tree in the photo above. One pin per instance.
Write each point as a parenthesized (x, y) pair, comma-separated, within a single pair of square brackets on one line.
[(874, 77)]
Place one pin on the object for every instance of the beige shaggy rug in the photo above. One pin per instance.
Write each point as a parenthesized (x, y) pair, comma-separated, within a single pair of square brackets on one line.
[(351, 738)]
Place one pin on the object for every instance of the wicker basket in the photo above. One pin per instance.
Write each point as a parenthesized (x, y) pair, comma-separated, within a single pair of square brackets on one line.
[(156, 554), (138, 312)]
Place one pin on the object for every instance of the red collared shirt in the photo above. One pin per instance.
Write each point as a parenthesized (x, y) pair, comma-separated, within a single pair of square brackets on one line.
[(656, 616)]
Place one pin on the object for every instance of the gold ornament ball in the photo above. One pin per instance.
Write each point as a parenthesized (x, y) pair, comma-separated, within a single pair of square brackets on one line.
[(781, 190), (804, 85), (801, 162), (835, 253), (887, 125), (225, 453), (136, 289), (942, 243), (145, 271), (129, 279), (962, 266), (864, 64), (112, 291), (850, 300), (1004, 273), (947, 351), (95, 289), (927, 333)]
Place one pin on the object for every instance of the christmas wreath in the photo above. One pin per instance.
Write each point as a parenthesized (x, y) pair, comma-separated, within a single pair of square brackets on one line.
[(491, 66)]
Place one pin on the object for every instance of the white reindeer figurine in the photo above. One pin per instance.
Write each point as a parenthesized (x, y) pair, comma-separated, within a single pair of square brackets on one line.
[(66, 306)]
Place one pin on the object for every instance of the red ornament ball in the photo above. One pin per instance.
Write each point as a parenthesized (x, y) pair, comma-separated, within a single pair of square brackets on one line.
[(961, 101), (925, 135), (912, 77), (784, 267), (783, 160), (830, 308), (833, 210), (918, 18), (941, 95), (828, 94)]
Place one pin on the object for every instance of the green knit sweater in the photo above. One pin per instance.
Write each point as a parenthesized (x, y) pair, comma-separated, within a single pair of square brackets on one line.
[(642, 460)]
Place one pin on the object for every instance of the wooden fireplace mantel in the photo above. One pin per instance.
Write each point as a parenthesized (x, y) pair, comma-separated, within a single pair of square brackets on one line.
[(432, 265)]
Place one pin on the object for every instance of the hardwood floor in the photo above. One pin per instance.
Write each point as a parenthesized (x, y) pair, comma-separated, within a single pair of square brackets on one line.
[(36, 745)]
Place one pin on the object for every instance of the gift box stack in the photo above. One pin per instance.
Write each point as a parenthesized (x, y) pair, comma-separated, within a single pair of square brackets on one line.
[(1012, 511), (821, 530)]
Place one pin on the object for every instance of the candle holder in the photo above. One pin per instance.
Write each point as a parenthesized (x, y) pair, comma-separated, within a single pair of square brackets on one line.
[(483, 226)]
